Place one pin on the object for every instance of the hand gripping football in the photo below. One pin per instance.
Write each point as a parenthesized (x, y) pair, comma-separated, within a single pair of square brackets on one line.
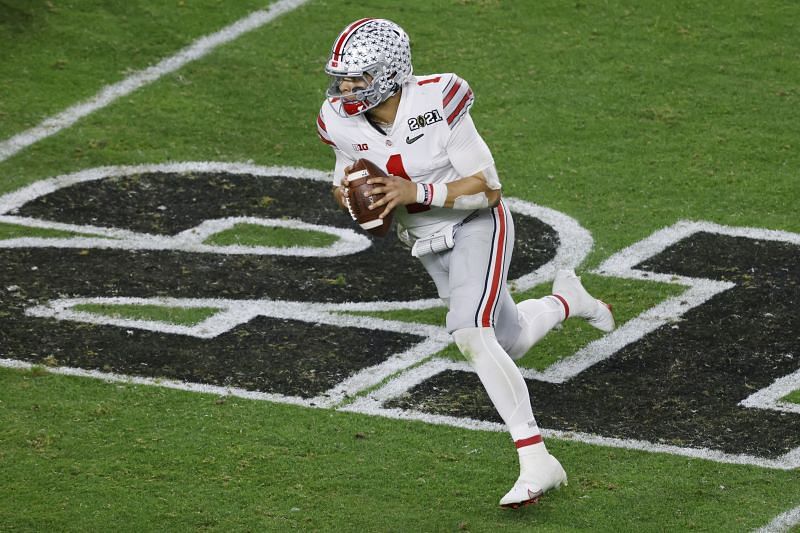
[(360, 197)]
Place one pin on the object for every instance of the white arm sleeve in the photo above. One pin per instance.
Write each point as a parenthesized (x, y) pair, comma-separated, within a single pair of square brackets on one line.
[(469, 153), (341, 161)]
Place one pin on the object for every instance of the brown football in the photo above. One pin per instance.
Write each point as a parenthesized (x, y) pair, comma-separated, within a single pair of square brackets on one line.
[(361, 197)]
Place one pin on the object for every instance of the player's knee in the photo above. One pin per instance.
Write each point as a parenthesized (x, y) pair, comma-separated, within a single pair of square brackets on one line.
[(471, 341), (504, 335)]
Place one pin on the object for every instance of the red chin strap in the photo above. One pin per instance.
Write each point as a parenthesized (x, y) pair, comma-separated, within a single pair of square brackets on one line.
[(353, 108)]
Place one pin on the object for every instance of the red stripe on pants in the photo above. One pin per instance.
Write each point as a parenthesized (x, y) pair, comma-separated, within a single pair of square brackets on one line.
[(486, 318)]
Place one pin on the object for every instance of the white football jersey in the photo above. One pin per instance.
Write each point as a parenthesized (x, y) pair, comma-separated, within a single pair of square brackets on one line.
[(432, 140)]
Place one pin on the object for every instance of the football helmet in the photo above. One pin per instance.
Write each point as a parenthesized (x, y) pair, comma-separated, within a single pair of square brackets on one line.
[(376, 51)]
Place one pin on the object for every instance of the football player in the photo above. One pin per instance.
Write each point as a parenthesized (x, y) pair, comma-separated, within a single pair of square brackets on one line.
[(446, 195)]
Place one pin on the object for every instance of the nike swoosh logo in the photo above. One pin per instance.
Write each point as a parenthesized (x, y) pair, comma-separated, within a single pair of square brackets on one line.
[(411, 140)]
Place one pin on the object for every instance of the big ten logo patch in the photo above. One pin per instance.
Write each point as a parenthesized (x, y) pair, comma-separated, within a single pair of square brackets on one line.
[(686, 374)]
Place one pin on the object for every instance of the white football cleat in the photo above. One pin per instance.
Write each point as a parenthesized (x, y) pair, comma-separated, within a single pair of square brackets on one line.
[(580, 303), (522, 493), (546, 474)]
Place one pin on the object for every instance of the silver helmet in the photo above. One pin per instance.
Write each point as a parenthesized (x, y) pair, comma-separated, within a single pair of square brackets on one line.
[(375, 50)]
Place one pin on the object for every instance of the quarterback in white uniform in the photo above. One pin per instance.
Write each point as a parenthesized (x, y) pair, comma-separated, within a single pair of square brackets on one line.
[(445, 192), (432, 140)]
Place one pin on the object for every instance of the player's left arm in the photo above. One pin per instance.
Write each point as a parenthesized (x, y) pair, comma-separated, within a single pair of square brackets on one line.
[(470, 156)]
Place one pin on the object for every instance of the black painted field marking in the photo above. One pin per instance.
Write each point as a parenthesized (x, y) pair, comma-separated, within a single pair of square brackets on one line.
[(680, 385), (279, 332)]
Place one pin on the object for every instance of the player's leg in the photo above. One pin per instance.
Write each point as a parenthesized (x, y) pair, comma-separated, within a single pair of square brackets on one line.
[(530, 320), (538, 470), (478, 294), (577, 301), (437, 266), (536, 317)]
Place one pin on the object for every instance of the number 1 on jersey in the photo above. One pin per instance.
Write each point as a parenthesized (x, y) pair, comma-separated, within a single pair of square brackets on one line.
[(395, 167)]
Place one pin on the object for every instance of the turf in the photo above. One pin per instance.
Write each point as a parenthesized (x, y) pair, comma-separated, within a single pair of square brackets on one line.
[(669, 97), (15, 231), (171, 460), (56, 54), (257, 235), (171, 315), (793, 397)]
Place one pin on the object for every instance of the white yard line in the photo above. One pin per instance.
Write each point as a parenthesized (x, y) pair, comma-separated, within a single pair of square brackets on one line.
[(373, 404), (109, 93), (783, 522)]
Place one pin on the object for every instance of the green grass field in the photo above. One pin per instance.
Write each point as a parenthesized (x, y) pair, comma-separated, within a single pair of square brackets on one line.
[(625, 116)]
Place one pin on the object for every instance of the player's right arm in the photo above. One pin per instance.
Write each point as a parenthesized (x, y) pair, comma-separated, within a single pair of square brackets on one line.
[(340, 172)]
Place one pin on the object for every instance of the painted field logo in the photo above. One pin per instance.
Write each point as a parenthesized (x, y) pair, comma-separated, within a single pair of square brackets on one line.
[(700, 374), (140, 236)]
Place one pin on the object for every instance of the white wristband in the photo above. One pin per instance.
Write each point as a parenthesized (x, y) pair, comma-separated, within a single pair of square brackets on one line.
[(422, 193), (434, 194)]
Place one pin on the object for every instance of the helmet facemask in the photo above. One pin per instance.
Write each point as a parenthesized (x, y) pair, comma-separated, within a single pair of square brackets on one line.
[(378, 89)]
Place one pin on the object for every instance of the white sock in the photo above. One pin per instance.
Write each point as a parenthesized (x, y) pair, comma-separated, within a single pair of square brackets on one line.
[(537, 318), (530, 451)]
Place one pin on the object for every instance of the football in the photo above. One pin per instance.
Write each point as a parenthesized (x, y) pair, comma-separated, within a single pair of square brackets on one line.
[(360, 197)]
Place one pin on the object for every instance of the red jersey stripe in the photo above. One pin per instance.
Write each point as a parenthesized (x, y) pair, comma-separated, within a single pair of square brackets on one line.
[(460, 106), (326, 141), (432, 80), (449, 96)]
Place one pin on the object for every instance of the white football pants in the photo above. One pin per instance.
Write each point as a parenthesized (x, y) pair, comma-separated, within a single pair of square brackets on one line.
[(488, 327), (471, 279)]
